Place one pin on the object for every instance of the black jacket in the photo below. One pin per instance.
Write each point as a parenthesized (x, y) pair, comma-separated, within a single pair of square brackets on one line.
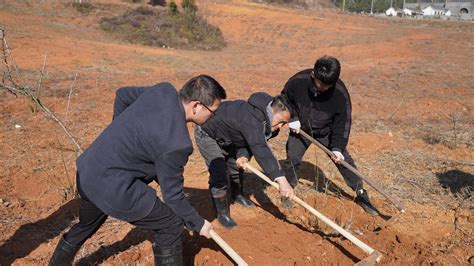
[(246, 127), (147, 140), (328, 113)]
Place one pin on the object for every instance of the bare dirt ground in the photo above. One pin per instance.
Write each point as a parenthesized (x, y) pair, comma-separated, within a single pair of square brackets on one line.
[(411, 83)]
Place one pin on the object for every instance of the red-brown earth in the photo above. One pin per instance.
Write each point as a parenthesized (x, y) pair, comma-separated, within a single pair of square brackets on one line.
[(411, 83)]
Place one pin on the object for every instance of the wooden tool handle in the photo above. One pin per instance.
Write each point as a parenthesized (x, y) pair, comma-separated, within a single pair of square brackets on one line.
[(227, 248), (323, 218)]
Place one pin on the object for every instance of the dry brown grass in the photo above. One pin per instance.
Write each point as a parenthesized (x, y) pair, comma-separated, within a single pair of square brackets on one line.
[(159, 27)]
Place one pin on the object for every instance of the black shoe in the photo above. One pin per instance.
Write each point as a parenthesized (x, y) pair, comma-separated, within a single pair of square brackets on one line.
[(168, 256), (362, 199), (226, 220), (243, 201), (223, 211), (236, 188), (64, 253)]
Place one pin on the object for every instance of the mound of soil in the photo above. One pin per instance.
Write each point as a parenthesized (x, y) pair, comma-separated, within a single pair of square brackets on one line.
[(163, 28)]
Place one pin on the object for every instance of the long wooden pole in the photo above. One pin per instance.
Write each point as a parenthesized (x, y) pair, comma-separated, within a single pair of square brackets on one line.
[(228, 249), (323, 218), (400, 206)]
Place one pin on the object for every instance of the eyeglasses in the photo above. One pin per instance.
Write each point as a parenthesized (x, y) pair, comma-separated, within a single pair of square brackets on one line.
[(213, 113)]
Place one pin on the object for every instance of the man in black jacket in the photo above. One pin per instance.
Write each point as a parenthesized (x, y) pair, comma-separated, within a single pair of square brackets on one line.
[(323, 109), (147, 141), (228, 140)]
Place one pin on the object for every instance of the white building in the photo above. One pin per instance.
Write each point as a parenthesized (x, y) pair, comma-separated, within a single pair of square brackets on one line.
[(436, 11), (408, 12), (391, 12)]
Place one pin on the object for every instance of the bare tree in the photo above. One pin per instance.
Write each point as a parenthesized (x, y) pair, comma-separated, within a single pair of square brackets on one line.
[(13, 83)]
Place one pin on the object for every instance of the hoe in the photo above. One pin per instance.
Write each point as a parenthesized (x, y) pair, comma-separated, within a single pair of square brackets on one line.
[(400, 206), (228, 249)]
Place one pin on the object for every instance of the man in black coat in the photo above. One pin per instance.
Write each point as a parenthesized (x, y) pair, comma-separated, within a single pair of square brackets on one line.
[(322, 109), (228, 140), (147, 141)]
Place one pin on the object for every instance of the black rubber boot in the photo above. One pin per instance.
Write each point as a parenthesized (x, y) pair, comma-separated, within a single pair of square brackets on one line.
[(362, 199), (223, 211), (64, 253), (237, 195), (168, 256)]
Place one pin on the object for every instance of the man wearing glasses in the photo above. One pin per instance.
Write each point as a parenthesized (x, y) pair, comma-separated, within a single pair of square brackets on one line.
[(323, 110), (213, 113), (228, 140), (148, 140)]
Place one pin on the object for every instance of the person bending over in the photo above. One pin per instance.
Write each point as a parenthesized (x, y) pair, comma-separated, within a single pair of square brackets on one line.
[(147, 140), (238, 130)]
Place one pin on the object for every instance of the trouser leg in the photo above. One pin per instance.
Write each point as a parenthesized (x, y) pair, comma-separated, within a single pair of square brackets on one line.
[(214, 158), (237, 183), (218, 175), (168, 229), (296, 147), (219, 187), (90, 220), (351, 179)]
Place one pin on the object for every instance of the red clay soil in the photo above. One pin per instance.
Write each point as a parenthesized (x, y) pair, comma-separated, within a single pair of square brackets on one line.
[(411, 85)]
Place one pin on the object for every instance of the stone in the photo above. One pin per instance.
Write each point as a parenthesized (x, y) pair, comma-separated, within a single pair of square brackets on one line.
[(470, 219)]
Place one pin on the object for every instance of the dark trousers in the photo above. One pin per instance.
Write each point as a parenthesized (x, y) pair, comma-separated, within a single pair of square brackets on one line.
[(221, 163), (166, 225), (296, 147)]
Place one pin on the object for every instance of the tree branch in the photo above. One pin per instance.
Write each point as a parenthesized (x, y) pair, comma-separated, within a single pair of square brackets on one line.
[(15, 89)]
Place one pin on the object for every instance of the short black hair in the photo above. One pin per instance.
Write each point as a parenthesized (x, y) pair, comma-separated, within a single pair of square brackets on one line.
[(327, 70), (202, 88), (281, 103)]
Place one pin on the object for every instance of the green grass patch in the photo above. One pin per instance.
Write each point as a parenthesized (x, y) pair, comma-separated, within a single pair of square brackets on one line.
[(162, 27)]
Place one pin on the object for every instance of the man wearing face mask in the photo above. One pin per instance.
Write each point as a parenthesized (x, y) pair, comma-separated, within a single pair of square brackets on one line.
[(238, 130), (322, 108)]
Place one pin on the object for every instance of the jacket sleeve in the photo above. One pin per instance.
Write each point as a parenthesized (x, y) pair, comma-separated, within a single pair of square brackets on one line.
[(288, 91), (124, 97), (255, 138), (244, 152), (341, 126), (169, 168)]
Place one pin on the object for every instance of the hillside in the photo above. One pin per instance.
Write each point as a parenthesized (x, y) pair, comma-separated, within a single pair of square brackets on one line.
[(412, 92)]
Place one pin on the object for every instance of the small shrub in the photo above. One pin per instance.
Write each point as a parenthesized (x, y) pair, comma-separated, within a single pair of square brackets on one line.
[(143, 10), (84, 7), (295, 3), (158, 2), (173, 7), (189, 6), (160, 27)]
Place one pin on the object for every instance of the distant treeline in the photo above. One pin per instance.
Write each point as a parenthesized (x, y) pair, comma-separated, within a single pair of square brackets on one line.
[(379, 6)]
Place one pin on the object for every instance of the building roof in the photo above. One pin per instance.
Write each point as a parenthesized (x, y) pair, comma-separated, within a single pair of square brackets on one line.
[(437, 8)]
